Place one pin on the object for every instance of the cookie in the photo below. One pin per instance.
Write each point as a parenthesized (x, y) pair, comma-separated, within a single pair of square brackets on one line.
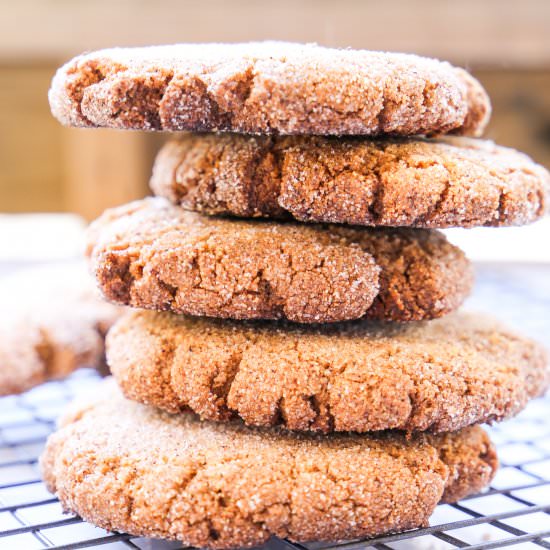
[(391, 182), (151, 254), (128, 467), (360, 376), (53, 320), (268, 88)]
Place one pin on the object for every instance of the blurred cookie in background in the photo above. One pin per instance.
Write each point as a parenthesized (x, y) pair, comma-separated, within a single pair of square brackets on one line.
[(53, 321)]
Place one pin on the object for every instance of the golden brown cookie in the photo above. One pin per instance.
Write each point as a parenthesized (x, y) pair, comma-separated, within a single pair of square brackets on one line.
[(390, 182), (53, 320), (360, 376), (129, 467), (268, 88), (151, 254)]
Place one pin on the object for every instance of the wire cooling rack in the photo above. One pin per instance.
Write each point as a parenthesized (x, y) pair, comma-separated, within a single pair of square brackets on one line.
[(515, 510)]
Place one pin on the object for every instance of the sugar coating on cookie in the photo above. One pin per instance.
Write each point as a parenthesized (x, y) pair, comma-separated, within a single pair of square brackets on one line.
[(387, 182), (53, 320), (361, 376), (127, 467), (151, 254), (268, 88)]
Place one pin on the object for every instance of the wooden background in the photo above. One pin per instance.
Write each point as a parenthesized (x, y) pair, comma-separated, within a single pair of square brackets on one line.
[(44, 167)]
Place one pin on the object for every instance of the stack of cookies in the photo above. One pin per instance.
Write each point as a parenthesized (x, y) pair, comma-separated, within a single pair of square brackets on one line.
[(304, 380)]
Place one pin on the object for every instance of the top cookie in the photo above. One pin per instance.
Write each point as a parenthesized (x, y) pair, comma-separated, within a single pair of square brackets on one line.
[(268, 88), (447, 182)]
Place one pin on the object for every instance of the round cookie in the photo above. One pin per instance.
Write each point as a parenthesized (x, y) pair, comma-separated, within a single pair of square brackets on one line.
[(439, 375), (388, 182), (127, 467), (151, 254), (53, 321), (268, 88)]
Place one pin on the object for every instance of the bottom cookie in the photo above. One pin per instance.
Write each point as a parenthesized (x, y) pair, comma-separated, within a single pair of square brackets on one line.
[(128, 467)]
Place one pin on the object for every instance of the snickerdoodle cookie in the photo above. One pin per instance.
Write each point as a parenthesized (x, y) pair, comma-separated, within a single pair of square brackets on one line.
[(127, 467), (53, 320), (268, 88), (387, 182), (358, 376), (154, 255)]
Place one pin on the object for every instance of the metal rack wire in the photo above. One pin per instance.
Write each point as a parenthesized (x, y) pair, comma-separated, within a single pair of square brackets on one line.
[(514, 511)]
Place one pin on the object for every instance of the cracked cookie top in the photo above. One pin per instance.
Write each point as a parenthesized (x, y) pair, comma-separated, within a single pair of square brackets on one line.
[(358, 376), (386, 182), (152, 254), (131, 468), (268, 88)]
